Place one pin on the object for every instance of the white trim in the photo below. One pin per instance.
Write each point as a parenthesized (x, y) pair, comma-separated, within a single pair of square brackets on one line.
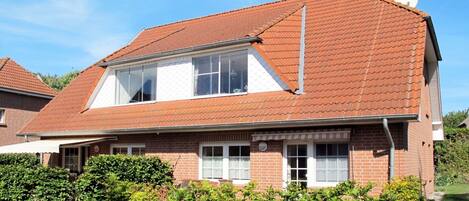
[(225, 145), (311, 163), (129, 147)]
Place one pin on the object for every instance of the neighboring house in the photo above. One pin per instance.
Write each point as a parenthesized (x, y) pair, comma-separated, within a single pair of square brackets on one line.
[(22, 96), (464, 124), (313, 92)]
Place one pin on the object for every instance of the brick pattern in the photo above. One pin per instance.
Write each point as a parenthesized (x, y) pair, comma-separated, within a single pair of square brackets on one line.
[(266, 167), (20, 109)]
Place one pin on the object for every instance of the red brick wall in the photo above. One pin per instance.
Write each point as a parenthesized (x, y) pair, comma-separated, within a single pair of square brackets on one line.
[(266, 167), (20, 109)]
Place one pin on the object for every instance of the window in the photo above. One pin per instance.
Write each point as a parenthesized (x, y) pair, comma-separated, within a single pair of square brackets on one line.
[(220, 74), (297, 164), (315, 165), (2, 116), (225, 161), (331, 162), (129, 149), (136, 84), (71, 159)]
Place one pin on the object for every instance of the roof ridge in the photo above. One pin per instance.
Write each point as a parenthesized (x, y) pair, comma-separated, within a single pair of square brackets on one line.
[(270, 24), (216, 14), (406, 7)]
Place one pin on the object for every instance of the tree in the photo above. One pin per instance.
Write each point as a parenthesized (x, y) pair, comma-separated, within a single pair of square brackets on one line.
[(453, 119), (58, 82)]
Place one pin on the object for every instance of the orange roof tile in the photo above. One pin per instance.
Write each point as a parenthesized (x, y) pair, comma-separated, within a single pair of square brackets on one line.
[(363, 58), (13, 76)]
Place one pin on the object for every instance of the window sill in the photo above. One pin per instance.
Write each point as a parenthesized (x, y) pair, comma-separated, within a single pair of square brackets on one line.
[(235, 182), (3, 125), (219, 95), (136, 103)]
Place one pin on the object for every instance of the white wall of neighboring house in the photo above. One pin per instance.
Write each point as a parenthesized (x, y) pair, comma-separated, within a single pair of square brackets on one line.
[(175, 80)]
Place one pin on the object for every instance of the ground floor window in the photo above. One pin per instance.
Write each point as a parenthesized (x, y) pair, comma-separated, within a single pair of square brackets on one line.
[(315, 164), (129, 149), (225, 161), (71, 159)]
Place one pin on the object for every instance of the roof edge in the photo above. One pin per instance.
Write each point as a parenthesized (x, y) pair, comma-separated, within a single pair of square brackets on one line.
[(248, 39), (27, 93), (234, 126), (431, 29)]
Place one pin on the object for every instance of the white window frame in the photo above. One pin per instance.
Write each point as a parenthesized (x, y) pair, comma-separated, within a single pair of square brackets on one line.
[(128, 146), (311, 163), (130, 66), (219, 53), (3, 114), (226, 173)]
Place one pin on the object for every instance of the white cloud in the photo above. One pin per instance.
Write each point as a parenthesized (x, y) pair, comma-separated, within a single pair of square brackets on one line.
[(71, 23)]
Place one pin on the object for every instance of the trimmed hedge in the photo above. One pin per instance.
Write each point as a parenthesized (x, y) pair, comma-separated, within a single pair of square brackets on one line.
[(112, 177), (26, 160), (34, 183)]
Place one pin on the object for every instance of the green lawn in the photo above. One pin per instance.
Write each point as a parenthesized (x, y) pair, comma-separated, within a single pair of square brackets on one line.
[(456, 192)]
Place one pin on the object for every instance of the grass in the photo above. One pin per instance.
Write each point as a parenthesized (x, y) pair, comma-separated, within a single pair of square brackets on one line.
[(455, 192)]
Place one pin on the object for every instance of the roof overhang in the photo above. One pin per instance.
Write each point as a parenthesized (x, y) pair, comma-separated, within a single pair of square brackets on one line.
[(27, 93), (248, 39), (50, 146), (235, 126)]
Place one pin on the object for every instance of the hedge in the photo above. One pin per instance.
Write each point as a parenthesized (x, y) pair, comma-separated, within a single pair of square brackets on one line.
[(34, 183), (26, 160), (112, 177)]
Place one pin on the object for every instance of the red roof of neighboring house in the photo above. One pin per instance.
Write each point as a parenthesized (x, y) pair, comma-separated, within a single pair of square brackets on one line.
[(15, 77), (363, 58)]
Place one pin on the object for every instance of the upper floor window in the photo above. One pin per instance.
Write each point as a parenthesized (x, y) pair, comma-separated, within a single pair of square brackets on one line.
[(221, 73), (136, 84)]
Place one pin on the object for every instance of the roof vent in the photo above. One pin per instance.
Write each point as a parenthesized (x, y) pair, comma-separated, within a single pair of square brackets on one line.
[(411, 3)]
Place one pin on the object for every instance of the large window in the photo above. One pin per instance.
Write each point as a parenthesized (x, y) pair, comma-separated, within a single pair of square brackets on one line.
[(221, 74), (225, 161), (316, 165), (128, 149), (136, 84)]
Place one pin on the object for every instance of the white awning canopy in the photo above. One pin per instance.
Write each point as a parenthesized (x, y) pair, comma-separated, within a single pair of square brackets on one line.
[(49, 146), (331, 135)]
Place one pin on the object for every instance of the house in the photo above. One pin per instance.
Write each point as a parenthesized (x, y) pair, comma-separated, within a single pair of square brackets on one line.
[(22, 96), (464, 124), (314, 92)]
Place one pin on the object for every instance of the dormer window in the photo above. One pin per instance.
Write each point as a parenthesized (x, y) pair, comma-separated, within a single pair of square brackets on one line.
[(136, 84), (221, 74)]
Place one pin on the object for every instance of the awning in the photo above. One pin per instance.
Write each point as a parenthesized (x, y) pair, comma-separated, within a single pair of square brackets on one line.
[(49, 146), (330, 135)]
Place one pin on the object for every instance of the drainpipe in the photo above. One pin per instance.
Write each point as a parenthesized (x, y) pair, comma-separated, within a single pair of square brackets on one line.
[(391, 148)]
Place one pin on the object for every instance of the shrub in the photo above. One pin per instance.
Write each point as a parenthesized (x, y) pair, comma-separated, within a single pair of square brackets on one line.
[(34, 183), (117, 177), (407, 188), (452, 157), (137, 169), (27, 160)]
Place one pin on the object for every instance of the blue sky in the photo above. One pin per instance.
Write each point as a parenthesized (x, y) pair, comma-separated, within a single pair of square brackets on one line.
[(54, 37)]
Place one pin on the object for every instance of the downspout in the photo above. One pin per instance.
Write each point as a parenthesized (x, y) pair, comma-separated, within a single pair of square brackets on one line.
[(391, 148)]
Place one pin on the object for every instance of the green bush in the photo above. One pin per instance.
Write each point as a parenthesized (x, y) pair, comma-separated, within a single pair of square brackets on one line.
[(452, 157), (34, 183), (407, 188), (117, 177), (26, 160)]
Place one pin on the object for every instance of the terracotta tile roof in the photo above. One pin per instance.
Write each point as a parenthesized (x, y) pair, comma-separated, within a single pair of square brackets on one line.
[(13, 76), (363, 58)]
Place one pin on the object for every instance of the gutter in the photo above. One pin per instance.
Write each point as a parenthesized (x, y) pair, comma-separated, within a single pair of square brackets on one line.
[(391, 148), (431, 29), (234, 126), (247, 39)]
